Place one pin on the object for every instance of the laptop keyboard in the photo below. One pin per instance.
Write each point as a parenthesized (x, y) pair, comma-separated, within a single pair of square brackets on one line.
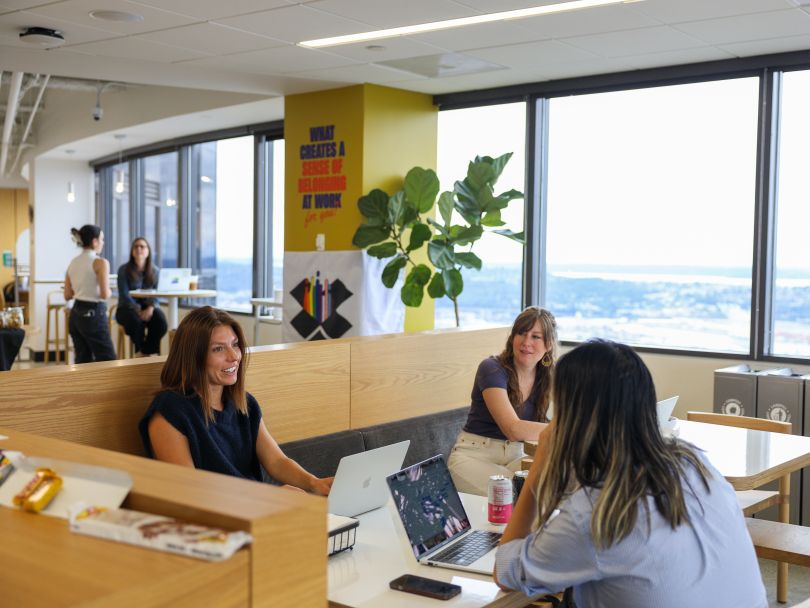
[(470, 548)]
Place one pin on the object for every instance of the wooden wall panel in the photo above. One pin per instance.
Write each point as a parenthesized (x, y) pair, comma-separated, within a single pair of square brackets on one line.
[(400, 376)]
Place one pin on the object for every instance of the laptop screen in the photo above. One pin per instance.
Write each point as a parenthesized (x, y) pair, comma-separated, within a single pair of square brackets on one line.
[(428, 504), (174, 279)]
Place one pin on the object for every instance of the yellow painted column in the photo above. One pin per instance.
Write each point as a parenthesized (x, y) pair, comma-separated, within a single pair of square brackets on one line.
[(339, 145)]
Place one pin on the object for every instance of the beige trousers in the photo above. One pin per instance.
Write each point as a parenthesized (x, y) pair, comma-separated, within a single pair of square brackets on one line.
[(474, 459)]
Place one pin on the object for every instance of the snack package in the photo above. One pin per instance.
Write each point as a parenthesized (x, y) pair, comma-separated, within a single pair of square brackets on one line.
[(5, 467), (38, 492), (156, 532)]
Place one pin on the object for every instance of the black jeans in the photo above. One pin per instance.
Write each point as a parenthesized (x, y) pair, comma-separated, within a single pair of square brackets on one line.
[(90, 332), (145, 336)]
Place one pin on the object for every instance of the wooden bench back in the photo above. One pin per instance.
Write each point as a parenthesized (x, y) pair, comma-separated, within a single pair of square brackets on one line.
[(305, 389)]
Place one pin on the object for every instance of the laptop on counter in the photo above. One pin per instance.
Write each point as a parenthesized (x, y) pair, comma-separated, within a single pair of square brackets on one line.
[(174, 279), (437, 526), (359, 484), (665, 408)]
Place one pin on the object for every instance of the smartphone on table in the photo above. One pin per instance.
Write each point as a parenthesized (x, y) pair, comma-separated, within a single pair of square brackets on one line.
[(410, 583)]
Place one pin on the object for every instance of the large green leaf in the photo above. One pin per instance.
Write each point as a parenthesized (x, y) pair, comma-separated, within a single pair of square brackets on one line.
[(502, 200), (515, 236), (396, 205), (419, 234), (436, 286), (374, 206), (464, 235), (411, 294), (446, 204), (421, 188), (419, 274), (441, 254), (498, 164), (385, 250), (453, 283), (468, 259), (492, 219), (438, 227), (390, 273), (369, 235), (479, 174), (409, 215)]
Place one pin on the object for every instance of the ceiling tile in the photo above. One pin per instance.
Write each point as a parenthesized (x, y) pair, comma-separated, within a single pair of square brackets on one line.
[(394, 13), (743, 28), (635, 42), (392, 48), (699, 55), (138, 49), (763, 47), (77, 11), (213, 39), (11, 24), (295, 23), (669, 11), (212, 9), (358, 74), (486, 6), (285, 60), (478, 36), (532, 54), (591, 21)]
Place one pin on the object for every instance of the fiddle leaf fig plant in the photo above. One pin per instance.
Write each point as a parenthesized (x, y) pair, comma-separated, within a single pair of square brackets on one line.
[(397, 225)]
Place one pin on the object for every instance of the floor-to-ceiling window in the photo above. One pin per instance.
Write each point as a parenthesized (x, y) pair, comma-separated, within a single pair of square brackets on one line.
[(160, 208)]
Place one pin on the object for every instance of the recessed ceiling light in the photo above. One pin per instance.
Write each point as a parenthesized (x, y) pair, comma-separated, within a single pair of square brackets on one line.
[(421, 28), (118, 16), (42, 36), (375, 47)]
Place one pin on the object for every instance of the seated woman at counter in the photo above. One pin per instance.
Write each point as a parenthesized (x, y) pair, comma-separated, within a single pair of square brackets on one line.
[(617, 512), (142, 319), (204, 418), (510, 402)]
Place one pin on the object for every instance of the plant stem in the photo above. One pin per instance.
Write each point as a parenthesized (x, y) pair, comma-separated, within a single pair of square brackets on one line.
[(455, 309)]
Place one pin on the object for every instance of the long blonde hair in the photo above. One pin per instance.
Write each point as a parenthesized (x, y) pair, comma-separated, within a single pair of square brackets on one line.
[(607, 438), (185, 367), (542, 376)]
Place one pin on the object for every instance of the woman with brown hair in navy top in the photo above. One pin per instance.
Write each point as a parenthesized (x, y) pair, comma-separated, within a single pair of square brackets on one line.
[(204, 418), (510, 403)]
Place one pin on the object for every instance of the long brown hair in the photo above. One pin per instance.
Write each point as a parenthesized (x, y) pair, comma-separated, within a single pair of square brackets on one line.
[(148, 268), (542, 376), (185, 367), (607, 438)]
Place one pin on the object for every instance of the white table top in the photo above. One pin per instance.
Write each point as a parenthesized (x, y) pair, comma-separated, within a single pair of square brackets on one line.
[(191, 293), (265, 302), (359, 577)]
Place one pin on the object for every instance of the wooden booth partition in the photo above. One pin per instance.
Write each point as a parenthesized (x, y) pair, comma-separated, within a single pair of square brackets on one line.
[(403, 375)]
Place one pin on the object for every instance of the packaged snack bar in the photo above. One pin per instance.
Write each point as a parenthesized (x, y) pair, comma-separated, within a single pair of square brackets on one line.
[(156, 532), (38, 492), (5, 467)]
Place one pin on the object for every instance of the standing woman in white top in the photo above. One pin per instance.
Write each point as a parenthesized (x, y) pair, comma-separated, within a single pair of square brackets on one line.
[(88, 281)]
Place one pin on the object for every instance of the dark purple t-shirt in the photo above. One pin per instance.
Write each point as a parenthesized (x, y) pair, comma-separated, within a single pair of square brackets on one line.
[(491, 374)]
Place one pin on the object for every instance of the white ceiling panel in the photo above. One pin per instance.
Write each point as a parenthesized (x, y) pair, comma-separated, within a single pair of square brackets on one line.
[(478, 36), (530, 55), (435, 86), (285, 60), (392, 48), (11, 24), (358, 74), (135, 48), (77, 11), (764, 47), (17, 5), (583, 22), (213, 39), (743, 28), (636, 42), (486, 6), (669, 11), (654, 60), (557, 71), (295, 23), (212, 9), (395, 13)]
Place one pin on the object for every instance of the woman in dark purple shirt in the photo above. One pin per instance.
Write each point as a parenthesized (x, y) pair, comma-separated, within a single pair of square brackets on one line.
[(509, 403)]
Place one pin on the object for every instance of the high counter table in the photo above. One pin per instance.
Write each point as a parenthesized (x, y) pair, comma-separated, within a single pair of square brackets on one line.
[(47, 565), (172, 297)]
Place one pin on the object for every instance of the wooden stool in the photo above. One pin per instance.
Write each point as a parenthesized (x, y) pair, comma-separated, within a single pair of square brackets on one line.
[(53, 306), (122, 338)]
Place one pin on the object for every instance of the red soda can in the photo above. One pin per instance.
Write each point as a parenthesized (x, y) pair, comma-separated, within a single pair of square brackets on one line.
[(499, 493)]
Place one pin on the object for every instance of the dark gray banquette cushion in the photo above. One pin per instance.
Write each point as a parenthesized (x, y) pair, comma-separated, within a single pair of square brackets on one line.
[(430, 434), (321, 455)]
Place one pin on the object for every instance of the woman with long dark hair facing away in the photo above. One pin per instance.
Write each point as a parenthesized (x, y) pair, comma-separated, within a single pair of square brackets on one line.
[(509, 403), (204, 418), (142, 319), (87, 280), (616, 511)]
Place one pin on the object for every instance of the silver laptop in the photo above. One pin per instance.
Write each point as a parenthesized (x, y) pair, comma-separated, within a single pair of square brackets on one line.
[(359, 484), (665, 408), (437, 526), (174, 279)]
